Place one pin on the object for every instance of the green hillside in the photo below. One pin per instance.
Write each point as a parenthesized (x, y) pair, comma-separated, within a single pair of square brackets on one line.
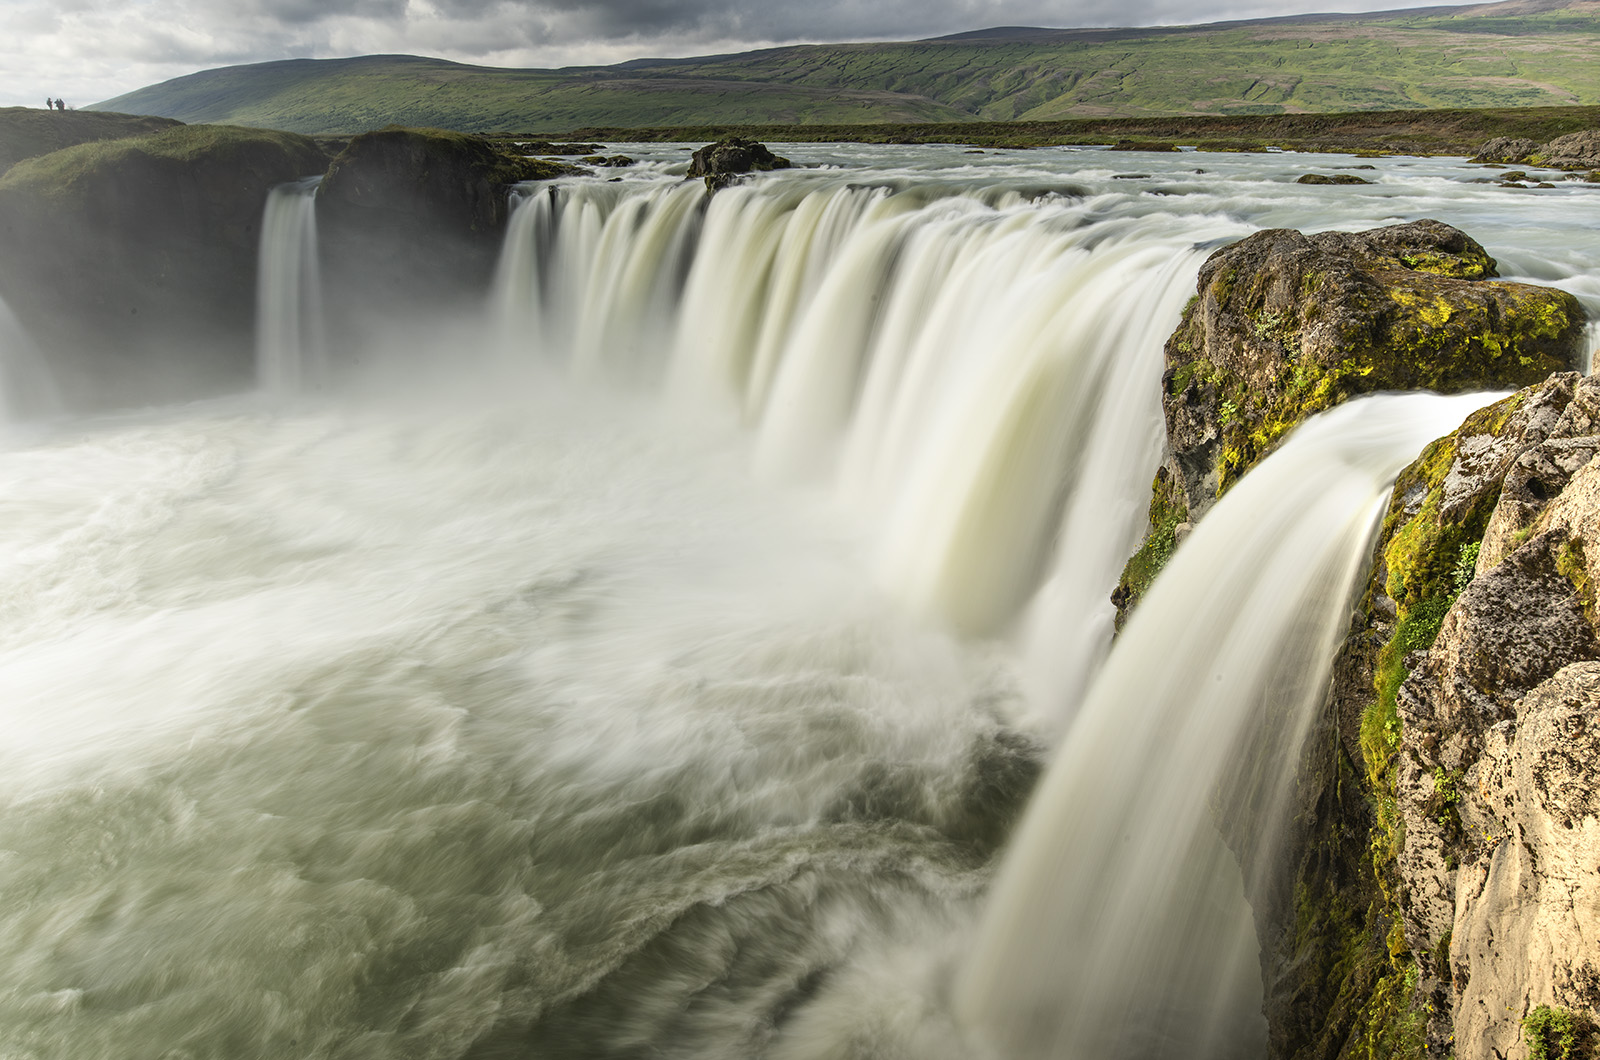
[(1517, 54)]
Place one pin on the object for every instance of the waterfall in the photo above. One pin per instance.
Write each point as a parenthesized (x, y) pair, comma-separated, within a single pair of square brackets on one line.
[(974, 374), (26, 385), (1116, 926), (289, 336)]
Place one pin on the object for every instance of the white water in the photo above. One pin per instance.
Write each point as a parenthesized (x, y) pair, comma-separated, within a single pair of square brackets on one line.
[(615, 694), (27, 389), (1118, 889), (290, 343), (957, 368)]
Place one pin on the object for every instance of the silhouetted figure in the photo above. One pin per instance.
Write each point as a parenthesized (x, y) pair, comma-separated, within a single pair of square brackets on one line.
[(61, 104), (49, 104)]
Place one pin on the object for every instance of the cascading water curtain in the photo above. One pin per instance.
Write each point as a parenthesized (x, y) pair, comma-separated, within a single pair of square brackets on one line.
[(1117, 925), (26, 386), (289, 335), (969, 370)]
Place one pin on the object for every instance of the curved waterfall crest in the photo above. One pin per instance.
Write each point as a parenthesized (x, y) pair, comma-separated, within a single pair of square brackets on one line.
[(696, 645), (961, 367)]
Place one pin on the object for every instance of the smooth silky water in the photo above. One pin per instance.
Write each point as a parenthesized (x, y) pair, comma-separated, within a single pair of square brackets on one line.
[(662, 681)]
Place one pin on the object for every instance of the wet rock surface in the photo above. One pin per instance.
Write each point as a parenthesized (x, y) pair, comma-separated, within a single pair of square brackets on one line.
[(1477, 611), (412, 217), (722, 162)]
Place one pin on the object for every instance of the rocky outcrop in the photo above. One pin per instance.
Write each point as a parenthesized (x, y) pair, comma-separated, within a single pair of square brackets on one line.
[(720, 163), (1506, 150), (1287, 325), (1416, 923), (133, 262), (1495, 769), (1335, 178), (412, 219), (1574, 151)]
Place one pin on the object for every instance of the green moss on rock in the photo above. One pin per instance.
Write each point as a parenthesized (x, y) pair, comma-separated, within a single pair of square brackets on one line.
[(1289, 325), (1167, 512)]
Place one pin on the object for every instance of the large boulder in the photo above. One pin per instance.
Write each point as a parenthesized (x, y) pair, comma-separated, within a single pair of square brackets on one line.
[(1579, 150), (1286, 325), (721, 162), (1506, 150), (414, 217), (133, 262)]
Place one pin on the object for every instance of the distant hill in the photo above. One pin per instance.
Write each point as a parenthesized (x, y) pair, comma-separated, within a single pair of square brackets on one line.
[(1518, 53)]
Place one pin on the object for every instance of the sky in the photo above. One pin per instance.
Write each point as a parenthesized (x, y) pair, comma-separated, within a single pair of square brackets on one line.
[(90, 50)]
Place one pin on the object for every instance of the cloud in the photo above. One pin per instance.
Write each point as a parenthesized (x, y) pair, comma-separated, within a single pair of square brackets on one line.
[(88, 50)]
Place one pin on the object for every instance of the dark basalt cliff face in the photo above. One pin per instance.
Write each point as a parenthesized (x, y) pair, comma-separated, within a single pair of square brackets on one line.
[(133, 262), (414, 217), (1357, 952)]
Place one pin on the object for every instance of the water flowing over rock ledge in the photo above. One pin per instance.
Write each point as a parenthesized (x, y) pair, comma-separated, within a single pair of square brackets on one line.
[(1441, 883), (1443, 828)]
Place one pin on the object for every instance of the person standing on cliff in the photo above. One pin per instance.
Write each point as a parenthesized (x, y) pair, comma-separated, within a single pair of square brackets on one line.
[(61, 104), (49, 104)]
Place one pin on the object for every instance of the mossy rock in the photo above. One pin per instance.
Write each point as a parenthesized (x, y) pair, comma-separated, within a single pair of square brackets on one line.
[(721, 162), (1426, 553), (1288, 325), (1169, 516), (1144, 145)]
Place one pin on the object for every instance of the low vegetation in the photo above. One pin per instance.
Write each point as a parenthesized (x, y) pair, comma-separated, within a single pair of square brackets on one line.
[(1305, 66)]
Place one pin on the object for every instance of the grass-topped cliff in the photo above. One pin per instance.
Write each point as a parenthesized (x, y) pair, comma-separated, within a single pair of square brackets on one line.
[(1519, 54), (29, 131)]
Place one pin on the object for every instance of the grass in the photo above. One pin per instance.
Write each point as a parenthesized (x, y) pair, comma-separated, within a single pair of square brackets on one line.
[(59, 173), (29, 131), (1282, 66)]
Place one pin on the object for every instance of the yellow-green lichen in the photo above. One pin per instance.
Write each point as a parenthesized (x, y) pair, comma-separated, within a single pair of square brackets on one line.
[(1167, 511), (1571, 565)]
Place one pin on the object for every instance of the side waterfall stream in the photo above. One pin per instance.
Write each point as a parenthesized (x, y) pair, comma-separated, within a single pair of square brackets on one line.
[(663, 676)]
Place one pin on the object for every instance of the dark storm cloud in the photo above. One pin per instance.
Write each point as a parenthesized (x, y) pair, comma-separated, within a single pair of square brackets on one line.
[(302, 12)]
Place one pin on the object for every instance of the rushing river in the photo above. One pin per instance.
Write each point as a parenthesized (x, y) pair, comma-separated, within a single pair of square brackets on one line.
[(659, 677)]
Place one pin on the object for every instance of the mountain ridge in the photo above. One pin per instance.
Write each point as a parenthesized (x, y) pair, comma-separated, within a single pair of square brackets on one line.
[(1514, 53)]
